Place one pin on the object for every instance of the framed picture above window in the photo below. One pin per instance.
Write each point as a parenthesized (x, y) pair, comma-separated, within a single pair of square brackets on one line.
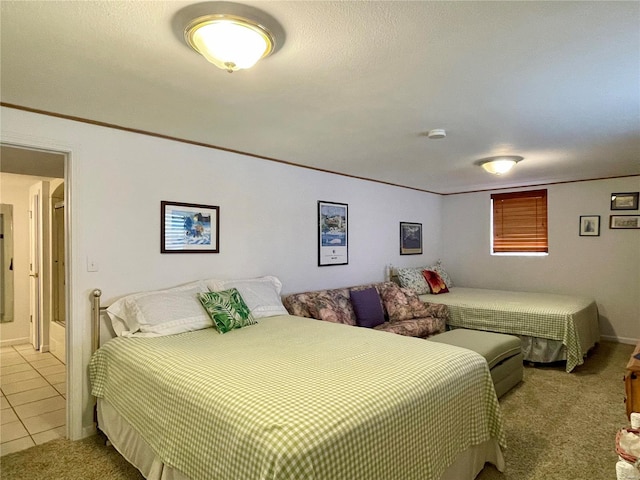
[(189, 228), (624, 201), (590, 225), (410, 238), (624, 221), (333, 233)]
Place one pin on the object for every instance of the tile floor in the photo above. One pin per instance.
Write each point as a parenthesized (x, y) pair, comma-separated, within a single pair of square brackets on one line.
[(33, 388)]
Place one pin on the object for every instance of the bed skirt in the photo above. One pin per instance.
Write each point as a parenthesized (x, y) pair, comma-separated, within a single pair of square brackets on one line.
[(542, 350), (138, 452)]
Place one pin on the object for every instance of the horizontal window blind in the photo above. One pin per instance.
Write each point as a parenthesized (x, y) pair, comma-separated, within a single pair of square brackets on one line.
[(520, 222)]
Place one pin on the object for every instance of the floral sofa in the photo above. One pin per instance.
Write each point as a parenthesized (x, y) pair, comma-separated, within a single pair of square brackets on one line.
[(399, 310)]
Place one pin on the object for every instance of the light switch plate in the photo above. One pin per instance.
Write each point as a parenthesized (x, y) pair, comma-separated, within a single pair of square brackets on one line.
[(92, 265)]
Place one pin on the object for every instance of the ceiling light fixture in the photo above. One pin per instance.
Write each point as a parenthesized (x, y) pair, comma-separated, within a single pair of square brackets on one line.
[(499, 165), (229, 42)]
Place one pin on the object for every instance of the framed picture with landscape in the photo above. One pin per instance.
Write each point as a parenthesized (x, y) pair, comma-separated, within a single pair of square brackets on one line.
[(189, 228), (410, 238), (624, 221), (333, 233), (624, 201)]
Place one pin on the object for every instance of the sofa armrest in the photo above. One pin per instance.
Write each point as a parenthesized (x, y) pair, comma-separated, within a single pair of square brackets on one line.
[(437, 310)]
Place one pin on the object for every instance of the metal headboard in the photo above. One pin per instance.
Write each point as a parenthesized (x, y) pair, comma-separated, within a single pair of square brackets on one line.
[(96, 310)]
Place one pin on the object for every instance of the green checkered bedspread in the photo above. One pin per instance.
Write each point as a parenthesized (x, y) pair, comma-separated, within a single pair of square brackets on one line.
[(296, 398), (572, 320)]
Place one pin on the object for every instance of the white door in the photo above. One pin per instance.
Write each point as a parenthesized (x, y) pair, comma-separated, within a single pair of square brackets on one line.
[(38, 232)]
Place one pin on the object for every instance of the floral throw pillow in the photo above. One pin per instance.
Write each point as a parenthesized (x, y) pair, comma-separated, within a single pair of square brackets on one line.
[(227, 309), (395, 302), (417, 327), (333, 306), (412, 278), (435, 281)]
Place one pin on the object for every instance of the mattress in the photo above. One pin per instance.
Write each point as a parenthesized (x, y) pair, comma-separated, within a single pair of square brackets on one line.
[(573, 321), (295, 398)]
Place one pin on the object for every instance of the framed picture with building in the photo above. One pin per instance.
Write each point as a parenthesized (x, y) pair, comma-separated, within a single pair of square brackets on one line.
[(333, 233)]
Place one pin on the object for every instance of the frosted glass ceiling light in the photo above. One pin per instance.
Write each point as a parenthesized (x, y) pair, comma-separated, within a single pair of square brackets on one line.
[(228, 41), (499, 165)]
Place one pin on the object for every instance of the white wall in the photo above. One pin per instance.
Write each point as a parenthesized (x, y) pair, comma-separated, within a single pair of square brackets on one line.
[(15, 191), (268, 221), (606, 268), (268, 217)]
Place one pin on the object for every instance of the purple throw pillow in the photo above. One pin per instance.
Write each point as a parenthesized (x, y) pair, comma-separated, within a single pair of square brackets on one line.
[(367, 307)]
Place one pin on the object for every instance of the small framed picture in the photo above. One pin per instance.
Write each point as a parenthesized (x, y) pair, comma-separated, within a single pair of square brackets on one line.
[(410, 238), (624, 201), (624, 221), (189, 228), (590, 225), (333, 233)]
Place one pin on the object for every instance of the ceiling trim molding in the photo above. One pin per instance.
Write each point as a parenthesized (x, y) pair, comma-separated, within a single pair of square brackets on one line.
[(533, 185), (200, 144), (276, 160)]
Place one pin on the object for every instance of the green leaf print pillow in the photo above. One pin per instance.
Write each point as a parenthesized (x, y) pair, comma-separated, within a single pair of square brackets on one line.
[(227, 309)]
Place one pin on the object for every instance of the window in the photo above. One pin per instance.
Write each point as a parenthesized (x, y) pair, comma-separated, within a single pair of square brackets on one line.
[(520, 222)]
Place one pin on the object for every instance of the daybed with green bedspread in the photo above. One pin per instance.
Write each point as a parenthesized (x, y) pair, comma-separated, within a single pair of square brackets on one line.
[(551, 327)]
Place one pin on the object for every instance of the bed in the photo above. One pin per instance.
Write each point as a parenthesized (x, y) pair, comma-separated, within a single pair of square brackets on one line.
[(292, 398), (552, 327)]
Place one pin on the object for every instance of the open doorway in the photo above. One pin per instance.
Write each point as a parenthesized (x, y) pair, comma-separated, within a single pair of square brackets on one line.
[(33, 340)]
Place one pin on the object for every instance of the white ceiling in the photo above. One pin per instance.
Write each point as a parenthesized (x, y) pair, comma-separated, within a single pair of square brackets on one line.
[(356, 85)]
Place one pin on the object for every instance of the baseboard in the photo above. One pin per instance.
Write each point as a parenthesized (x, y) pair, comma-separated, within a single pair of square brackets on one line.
[(613, 338), (88, 431), (14, 341)]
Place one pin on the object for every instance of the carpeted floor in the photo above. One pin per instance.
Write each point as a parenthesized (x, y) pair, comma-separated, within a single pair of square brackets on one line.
[(87, 459), (562, 426), (559, 426)]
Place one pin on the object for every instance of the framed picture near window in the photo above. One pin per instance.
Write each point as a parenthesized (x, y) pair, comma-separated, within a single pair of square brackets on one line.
[(189, 228), (410, 238), (624, 201), (590, 225), (333, 233), (624, 221)]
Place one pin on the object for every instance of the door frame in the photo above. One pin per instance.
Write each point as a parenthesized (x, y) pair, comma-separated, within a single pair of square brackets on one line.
[(75, 331)]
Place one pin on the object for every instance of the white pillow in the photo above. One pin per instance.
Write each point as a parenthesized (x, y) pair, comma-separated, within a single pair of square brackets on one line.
[(160, 312), (262, 295), (439, 269)]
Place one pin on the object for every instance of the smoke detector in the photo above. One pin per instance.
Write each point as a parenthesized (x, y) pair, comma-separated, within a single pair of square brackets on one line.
[(437, 133)]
